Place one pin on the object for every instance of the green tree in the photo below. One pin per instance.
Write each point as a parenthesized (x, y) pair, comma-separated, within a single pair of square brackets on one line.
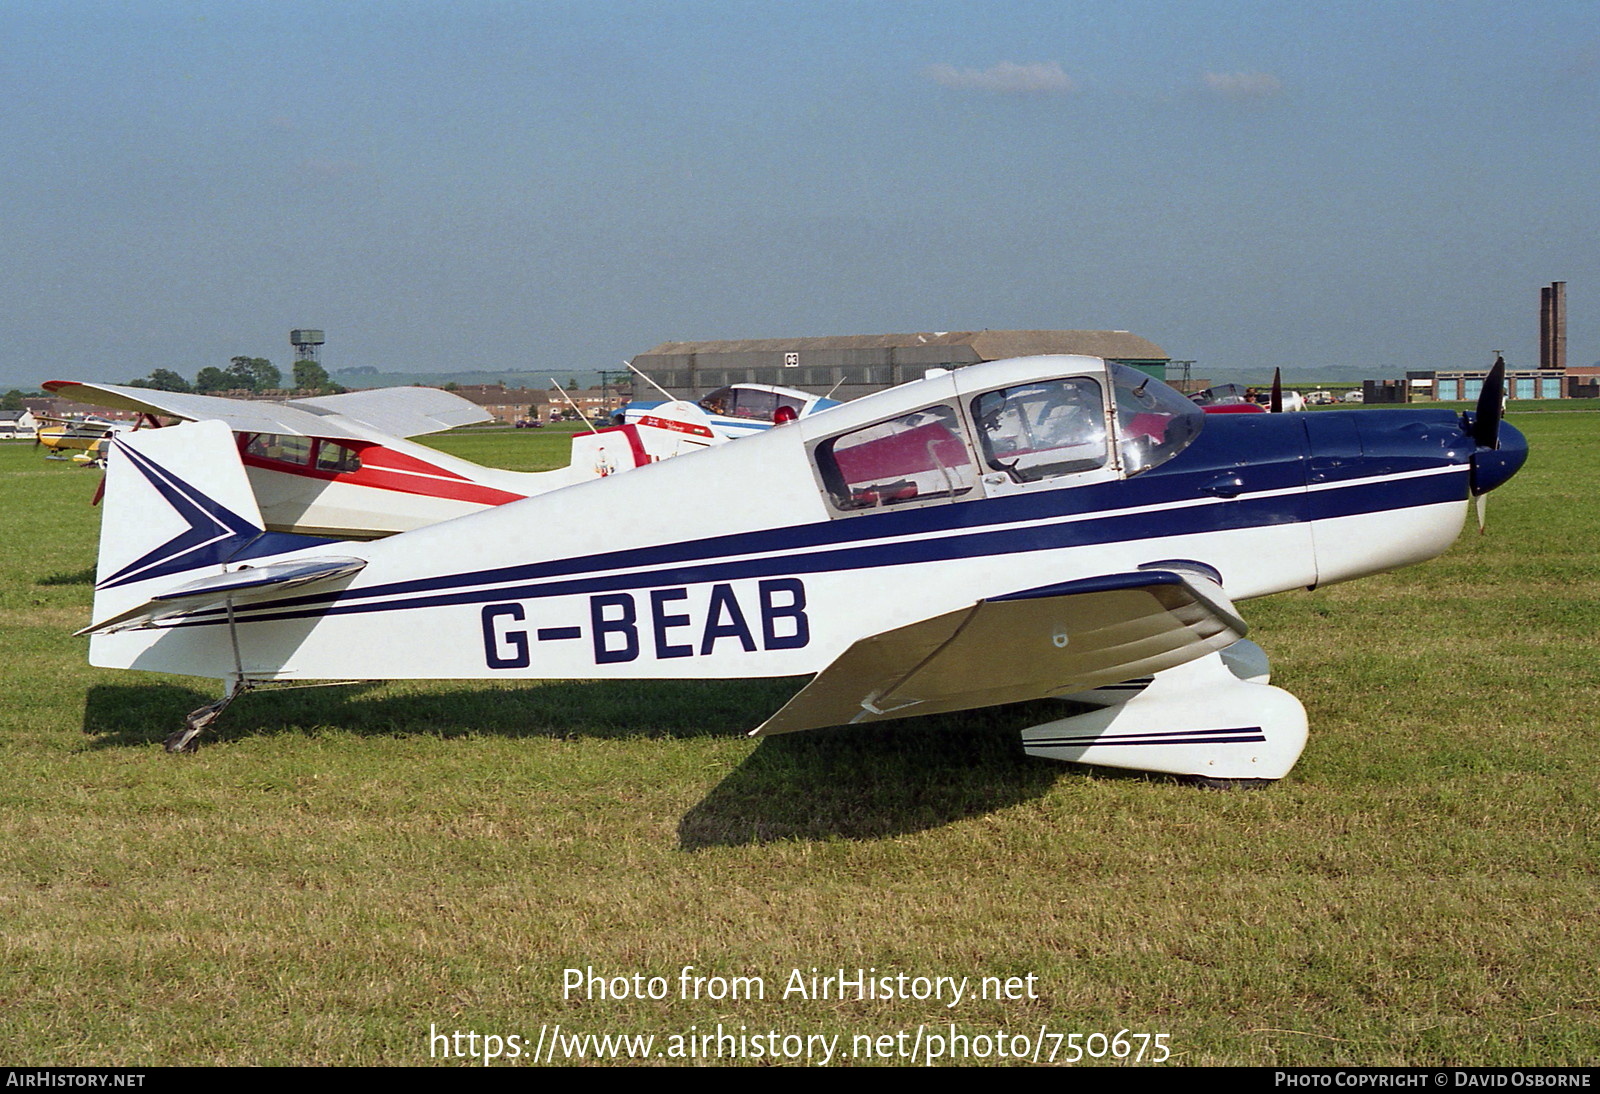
[(254, 374), (268, 378), (11, 400), (163, 379), (240, 375), (212, 379), (310, 376)]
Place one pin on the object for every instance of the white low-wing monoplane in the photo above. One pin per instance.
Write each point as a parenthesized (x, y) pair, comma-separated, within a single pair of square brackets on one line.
[(1046, 526), (340, 466)]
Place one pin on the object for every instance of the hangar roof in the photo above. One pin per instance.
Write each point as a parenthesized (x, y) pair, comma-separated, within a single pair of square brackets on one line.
[(989, 345)]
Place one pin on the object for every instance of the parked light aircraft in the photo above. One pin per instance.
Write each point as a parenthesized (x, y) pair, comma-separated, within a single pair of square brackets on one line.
[(1235, 399), (1045, 526), (727, 413), (71, 438), (338, 465)]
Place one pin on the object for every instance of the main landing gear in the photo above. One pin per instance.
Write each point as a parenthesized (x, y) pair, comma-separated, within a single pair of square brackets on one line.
[(1215, 720)]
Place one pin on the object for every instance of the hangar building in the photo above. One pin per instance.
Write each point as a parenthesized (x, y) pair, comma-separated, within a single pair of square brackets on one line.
[(856, 365)]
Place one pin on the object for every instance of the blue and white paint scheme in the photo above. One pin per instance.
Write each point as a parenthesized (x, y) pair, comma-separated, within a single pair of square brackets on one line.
[(1044, 526), (738, 410)]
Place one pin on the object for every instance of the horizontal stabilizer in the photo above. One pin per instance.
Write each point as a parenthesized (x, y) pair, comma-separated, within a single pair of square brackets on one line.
[(246, 585), (1028, 645)]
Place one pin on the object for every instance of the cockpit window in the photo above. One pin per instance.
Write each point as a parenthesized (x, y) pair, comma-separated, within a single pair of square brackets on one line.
[(1041, 430), (298, 451), (749, 402), (279, 448), (718, 402), (336, 458), (915, 457), (758, 405), (1154, 421)]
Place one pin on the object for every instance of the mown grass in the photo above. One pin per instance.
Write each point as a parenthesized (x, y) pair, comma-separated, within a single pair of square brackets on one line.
[(338, 869)]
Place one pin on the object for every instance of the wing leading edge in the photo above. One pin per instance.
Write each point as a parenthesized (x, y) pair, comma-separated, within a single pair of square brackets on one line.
[(1028, 645), (398, 412)]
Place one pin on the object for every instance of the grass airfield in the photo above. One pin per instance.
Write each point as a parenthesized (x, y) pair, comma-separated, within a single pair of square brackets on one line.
[(339, 871)]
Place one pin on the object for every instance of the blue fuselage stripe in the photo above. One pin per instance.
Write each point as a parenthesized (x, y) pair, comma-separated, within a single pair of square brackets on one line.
[(703, 561)]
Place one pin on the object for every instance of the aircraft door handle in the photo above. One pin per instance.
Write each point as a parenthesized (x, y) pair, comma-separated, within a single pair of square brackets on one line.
[(1224, 486)]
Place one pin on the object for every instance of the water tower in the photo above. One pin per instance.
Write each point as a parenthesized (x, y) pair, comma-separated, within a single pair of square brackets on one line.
[(307, 344)]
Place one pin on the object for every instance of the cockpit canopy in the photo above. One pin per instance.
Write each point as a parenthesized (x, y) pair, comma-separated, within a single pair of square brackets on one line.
[(758, 404), (1154, 421), (1040, 433)]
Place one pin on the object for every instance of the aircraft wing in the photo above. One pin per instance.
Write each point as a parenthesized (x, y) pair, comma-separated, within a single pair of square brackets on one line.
[(1027, 645), (399, 412), (240, 415)]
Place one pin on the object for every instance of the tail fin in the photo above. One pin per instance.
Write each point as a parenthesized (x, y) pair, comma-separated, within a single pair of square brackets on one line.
[(664, 431), (674, 429), (178, 506)]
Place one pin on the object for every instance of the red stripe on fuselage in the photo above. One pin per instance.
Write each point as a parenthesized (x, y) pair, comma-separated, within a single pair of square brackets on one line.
[(675, 426), (384, 469)]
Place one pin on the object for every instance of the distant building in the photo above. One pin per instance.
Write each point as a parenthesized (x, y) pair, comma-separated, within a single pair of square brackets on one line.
[(507, 404), (1463, 385), (1583, 382), (854, 365), (48, 406), (1553, 379), (510, 405), (18, 425)]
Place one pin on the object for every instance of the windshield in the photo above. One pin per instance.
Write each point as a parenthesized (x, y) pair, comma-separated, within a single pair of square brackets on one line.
[(1154, 421), (1042, 430)]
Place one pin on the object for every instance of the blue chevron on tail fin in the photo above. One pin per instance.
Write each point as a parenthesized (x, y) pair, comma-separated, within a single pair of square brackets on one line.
[(178, 505)]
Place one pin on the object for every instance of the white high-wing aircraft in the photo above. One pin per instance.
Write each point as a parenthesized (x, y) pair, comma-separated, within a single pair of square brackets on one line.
[(1045, 526), (726, 414), (339, 466)]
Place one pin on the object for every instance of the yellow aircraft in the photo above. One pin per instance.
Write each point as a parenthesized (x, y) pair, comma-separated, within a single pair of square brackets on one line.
[(82, 440)]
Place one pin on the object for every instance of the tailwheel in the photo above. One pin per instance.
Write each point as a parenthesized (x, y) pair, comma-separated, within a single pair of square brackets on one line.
[(201, 719)]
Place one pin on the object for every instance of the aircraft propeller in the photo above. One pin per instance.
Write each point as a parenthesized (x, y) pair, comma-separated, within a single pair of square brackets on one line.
[(1276, 404), (1485, 431), (1491, 407)]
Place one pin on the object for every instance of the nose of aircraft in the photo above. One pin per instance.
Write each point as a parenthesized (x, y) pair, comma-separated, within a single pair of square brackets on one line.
[(1493, 466), (1501, 449)]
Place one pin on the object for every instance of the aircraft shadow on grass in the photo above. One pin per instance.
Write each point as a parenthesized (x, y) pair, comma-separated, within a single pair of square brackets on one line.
[(84, 576), (880, 781), (849, 783), (117, 715)]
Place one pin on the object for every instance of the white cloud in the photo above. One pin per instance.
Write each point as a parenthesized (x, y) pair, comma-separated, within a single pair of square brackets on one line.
[(1242, 86), (1006, 78)]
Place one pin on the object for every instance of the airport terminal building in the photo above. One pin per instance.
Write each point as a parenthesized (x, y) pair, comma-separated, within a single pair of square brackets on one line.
[(851, 366)]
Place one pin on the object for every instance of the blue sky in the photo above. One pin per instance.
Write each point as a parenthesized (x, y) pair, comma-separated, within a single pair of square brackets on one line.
[(558, 186)]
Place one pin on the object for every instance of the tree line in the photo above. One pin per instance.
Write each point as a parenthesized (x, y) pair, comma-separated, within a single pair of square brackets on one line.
[(253, 374)]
